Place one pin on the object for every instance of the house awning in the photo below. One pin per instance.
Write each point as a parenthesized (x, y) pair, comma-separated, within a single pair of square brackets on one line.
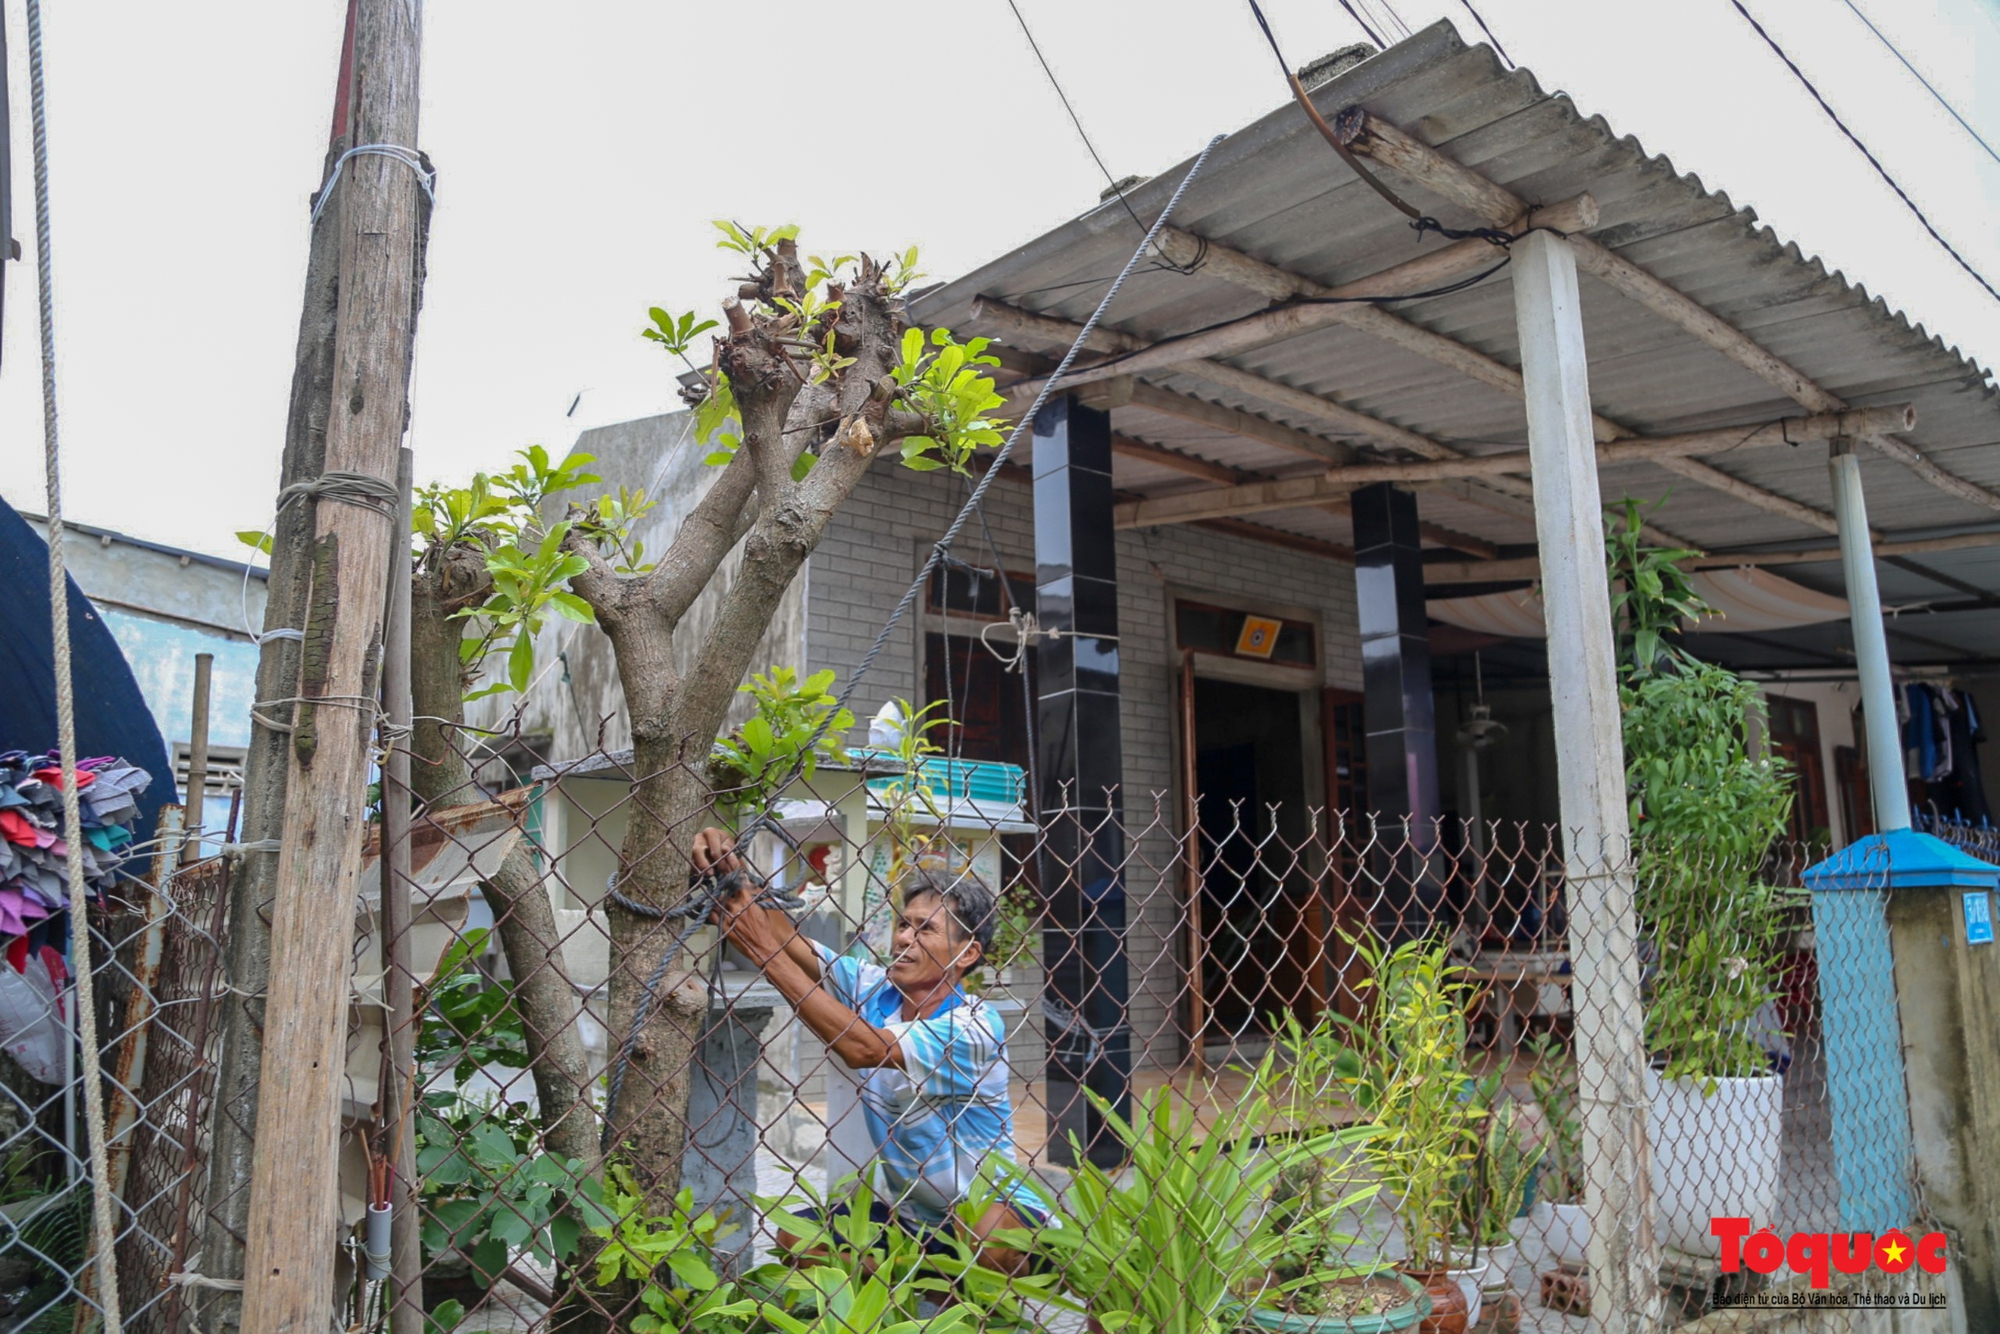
[(1721, 358)]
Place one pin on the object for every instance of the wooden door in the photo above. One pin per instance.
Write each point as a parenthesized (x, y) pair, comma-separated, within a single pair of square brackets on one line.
[(1795, 737)]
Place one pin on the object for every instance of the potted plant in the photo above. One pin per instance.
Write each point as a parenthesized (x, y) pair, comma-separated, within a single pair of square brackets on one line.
[(1182, 1239), (1705, 812), (1557, 1219), (1496, 1193), (1404, 1067), (1311, 1289)]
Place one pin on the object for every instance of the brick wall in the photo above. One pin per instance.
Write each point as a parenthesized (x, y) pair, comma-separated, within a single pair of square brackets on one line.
[(876, 545)]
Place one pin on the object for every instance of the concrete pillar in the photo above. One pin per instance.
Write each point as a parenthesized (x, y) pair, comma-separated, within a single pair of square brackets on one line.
[(1590, 768), (719, 1163), (1905, 928), (1886, 786), (1080, 769)]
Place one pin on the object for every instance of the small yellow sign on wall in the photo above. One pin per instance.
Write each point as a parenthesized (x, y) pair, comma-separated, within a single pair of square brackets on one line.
[(1259, 637)]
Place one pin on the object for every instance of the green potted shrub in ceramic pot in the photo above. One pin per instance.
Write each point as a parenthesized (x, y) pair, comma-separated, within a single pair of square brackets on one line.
[(1187, 1235), (1495, 1194), (1556, 1228), (1404, 1067), (1706, 811)]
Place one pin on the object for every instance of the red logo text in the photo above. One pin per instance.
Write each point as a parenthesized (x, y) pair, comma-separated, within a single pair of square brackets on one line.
[(1821, 1253)]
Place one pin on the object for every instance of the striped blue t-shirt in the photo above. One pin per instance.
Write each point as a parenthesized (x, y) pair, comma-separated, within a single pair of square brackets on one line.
[(934, 1122)]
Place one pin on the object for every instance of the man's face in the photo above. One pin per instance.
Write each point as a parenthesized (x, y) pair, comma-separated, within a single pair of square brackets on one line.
[(928, 946)]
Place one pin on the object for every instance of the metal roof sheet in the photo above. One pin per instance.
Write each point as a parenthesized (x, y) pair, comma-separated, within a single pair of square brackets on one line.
[(1273, 190)]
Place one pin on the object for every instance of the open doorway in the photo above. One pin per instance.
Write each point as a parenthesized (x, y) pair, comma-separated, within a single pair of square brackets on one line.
[(1263, 927)]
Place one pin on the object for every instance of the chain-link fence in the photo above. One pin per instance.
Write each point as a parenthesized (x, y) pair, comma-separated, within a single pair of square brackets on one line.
[(1207, 1062)]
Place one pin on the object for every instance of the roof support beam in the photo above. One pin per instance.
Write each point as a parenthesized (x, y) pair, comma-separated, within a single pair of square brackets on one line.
[(1529, 567), (1434, 269), (1670, 452), (1049, 330), (1267, 279), (1367, 134)]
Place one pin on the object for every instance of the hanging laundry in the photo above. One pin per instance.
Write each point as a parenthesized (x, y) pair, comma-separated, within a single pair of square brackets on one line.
[(34, 857), (1961, 794), (1919, 733)]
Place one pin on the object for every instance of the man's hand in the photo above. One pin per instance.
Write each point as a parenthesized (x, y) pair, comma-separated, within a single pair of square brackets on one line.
[(751, 928), (715, 850)]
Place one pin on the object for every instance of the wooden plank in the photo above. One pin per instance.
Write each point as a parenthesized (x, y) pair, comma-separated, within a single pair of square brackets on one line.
[(294, 1224), (1590, 780), (1221, 502), (1312, 546)]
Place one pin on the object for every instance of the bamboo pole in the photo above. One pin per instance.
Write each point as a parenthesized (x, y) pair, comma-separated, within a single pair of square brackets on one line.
[(194, 801), (406, 1284)]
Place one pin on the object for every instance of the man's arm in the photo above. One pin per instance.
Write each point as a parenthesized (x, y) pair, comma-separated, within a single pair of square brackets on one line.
[(714, 850), (853, 1039)]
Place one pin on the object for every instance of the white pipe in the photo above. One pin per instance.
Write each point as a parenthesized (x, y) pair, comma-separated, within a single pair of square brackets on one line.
[(1886, 784)]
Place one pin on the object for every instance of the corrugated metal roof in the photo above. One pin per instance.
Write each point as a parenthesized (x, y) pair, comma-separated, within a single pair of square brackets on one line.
[(1276, 192)]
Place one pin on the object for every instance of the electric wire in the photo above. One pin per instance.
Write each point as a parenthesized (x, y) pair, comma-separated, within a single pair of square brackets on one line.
[(1896, 51), (1074, 119), (1361, 23), (1476, 18), (1855, 139)]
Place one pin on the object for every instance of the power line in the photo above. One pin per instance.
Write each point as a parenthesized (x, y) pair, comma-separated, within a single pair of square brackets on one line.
[(1082, 133), (1897, 52), (1855, 139), (1395, 21), (1362, 23), (1489, 33)]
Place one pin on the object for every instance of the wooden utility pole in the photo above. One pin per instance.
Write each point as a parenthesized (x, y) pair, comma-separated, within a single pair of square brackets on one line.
[(295, 1199)]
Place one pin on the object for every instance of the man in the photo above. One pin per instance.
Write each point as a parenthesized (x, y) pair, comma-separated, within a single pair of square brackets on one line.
[(927, 1059)]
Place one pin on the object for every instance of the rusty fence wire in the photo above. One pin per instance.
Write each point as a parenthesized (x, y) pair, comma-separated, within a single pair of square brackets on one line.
[(1217, 1065)]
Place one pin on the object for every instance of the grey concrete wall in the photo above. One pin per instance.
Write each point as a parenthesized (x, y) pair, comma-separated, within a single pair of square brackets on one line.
[(660, 456), (876, 545), (161, 582)]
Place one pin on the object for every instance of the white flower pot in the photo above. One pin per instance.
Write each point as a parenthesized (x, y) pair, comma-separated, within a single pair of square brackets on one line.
[(1563, 1230), (1500, 1261), (1470, 1275), (1713, 1156)]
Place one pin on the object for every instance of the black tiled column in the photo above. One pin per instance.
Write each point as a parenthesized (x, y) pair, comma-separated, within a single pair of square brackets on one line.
[(1080, 763), (1396, 706)]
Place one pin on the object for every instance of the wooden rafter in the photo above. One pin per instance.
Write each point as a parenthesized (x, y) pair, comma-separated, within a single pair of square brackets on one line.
[(1673, 451), (1529, 567), (1268, 279), (1048, 330), (1377, 139)]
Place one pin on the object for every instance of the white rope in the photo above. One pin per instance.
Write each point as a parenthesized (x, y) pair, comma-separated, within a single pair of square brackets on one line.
[(409, 157), (106, 1291)]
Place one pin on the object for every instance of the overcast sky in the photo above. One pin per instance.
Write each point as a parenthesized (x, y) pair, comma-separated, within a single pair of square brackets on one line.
[(583, 148)]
